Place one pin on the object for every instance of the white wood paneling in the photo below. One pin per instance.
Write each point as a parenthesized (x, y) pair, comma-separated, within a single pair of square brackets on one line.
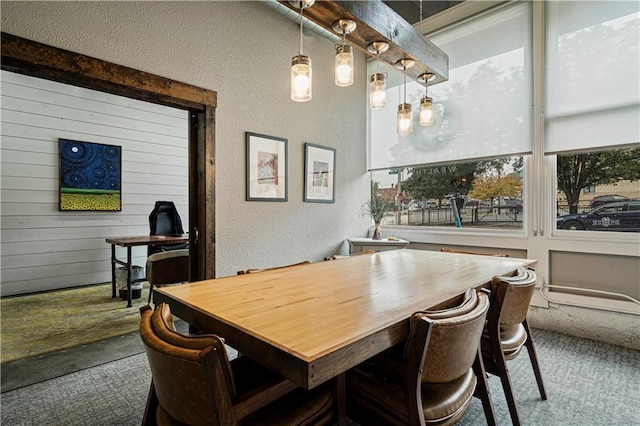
[(43, 248)]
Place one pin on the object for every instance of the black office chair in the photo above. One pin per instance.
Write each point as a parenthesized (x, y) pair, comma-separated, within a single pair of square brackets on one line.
[(165, 220)]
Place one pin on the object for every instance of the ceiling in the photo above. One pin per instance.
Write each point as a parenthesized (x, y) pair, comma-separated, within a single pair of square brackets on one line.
[(410, 10)]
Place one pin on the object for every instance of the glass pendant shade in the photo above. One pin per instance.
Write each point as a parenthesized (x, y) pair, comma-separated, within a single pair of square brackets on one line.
[(426, 113), (405, 123), (378, 91), (344, 65), (300, 78)]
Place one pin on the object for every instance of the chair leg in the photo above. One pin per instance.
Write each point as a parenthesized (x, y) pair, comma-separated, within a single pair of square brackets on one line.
[(151, 407), (503, 372), (150, 293), (482, 389), (534, 361)]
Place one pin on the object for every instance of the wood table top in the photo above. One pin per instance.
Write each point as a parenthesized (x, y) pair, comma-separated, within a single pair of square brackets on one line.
[(148, 240), (312, 311)]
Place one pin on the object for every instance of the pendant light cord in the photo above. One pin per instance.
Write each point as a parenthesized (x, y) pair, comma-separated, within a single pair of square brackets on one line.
[(426, 81), (404, 75), (301, 13)]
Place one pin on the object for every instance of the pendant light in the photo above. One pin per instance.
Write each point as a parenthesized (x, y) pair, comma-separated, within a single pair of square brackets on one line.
[(344, 53), (301, 64), (378, 85), (405, 122), (426, 113)]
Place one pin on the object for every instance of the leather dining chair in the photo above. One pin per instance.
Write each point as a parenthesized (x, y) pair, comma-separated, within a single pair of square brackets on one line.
[(347, 256), (507, 331), (167, 267), (253, 271), (450, 250), (194, 383), (434, 379)]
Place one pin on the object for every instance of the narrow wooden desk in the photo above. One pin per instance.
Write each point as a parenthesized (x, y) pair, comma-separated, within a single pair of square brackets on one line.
[(313, 322), (357, 245), (128, 242)]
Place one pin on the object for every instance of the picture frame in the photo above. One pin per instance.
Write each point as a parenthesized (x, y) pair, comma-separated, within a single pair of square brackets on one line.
[(319, 173), (90, 176), (266, 168)]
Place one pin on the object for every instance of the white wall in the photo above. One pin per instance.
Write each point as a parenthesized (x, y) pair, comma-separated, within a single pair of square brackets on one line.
[(43, 248), (243, 51)]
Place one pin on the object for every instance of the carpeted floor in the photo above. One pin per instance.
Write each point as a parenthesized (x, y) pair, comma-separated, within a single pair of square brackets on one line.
[(36, 324), (588, 383)]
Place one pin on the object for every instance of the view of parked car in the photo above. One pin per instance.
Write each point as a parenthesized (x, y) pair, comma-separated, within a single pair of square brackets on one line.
[(604, 199), (430, 205), (514, 204), (614, 216)]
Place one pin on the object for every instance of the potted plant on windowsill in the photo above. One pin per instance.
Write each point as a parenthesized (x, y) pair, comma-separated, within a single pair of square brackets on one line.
[(376, 208)]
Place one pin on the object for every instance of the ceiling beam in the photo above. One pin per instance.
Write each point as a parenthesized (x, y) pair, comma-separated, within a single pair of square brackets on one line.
[(48, 62), (378, 22)]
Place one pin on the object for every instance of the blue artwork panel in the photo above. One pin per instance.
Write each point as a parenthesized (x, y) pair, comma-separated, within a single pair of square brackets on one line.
[(90, 176)]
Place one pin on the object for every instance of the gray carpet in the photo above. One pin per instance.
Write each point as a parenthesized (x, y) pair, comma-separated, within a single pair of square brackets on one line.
[(588, 383)]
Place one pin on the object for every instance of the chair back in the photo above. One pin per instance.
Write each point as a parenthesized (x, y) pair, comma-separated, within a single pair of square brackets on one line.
[(164, 219), (189, 383), (449, 344), (256, 270), (513, 296), (347, 256), (168, 267), (460, 306), (450, 250)]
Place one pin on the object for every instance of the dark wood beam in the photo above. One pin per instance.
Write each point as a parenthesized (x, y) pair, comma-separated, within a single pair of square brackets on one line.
[(43, 61), (378, 22)]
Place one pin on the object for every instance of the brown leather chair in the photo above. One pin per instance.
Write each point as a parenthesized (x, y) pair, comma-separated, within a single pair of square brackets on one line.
[(167, 267), (450, 250), (194, 383), (436, 377), (346, 256), (507, 331), (253, 271)]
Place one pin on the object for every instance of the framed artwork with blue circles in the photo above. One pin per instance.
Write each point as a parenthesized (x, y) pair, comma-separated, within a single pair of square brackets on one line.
[(90, 176)]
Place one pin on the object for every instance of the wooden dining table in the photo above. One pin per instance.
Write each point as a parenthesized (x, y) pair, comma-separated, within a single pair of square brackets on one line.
[(313, 322)]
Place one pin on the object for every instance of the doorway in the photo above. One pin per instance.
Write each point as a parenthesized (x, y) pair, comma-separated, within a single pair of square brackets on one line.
[(24, 56)]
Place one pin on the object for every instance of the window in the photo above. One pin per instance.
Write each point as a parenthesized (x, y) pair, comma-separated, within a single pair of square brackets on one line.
[(592, 107), (483, 111), (613, 175), (467, 169), (580, 155), (475, 194), (592, 98)]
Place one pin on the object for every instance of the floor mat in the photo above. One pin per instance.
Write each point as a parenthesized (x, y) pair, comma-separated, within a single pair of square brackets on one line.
[(37, 324)]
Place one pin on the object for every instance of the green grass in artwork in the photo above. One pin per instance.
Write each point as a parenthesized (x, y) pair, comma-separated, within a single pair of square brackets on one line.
[(106, 201)]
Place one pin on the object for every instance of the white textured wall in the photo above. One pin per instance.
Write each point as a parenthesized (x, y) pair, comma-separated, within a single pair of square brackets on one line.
[(242, 50), (611, 327), (43, 248)]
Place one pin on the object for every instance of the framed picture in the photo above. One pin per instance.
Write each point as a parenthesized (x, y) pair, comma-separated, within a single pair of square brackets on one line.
[(319, 173), (266, 168), (90, 176)]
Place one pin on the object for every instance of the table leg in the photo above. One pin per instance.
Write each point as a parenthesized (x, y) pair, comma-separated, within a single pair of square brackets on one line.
[(113, 270), (129, 277), (340, 395)]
